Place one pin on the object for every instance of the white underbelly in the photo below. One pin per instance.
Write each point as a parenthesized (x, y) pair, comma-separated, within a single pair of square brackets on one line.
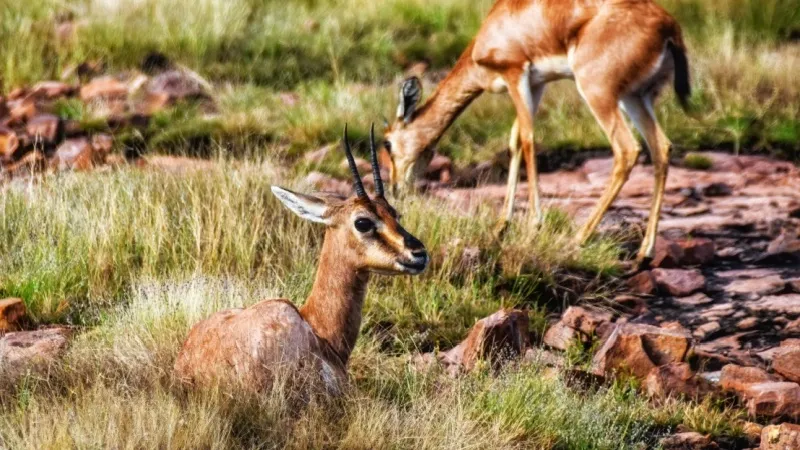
[(551, 68)]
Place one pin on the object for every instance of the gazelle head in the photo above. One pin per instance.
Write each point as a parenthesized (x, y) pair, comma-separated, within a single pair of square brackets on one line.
[(409, 150), (365, 229)]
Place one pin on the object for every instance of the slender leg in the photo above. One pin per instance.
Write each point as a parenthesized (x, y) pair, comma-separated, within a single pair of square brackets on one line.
[(625, 148), (640, 110), (526, 100), (513, 170)]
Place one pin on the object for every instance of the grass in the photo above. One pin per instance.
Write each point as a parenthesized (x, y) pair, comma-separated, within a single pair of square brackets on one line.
[(342, 60), (134, 257)]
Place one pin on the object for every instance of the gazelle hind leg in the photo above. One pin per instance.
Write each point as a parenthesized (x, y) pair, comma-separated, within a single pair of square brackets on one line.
[(625, 148), (640, 111), (513, 170)]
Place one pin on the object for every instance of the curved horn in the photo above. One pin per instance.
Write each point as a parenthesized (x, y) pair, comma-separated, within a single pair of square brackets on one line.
[(357, 185), (376, 169)]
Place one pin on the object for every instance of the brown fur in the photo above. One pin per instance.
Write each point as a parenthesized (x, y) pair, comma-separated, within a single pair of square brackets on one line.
[(616, 51), (247, 346)]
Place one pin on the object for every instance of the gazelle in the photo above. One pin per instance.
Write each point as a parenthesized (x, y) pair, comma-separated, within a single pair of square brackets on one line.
[(620, 53), (248, 345)]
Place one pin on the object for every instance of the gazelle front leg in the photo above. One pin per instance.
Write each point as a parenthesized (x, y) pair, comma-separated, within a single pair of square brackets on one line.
[(526, 100), (513, 174)]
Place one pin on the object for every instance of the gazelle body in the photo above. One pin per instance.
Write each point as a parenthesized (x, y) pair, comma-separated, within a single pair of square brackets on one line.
[(620, 54), (251, 346)]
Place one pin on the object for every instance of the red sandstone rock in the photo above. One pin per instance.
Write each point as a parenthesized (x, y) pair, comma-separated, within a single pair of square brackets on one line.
[(679, 282), (696, 251), (560, 336), (23, 348), (639, 348), (786, 362), (73, 154), (773, 399), (642, 283), (584, 319), (785, 436), (667, 253), (676, 379), (43, 128), (495, 339), (104, 89), (737, 378), (689, 440)]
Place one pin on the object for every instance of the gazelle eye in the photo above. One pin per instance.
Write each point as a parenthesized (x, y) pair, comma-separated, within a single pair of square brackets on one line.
[(388, 146), (364, 225)]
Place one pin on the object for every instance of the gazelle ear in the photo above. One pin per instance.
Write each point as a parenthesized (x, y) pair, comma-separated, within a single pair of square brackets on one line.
[(410, 94), (306, 206)]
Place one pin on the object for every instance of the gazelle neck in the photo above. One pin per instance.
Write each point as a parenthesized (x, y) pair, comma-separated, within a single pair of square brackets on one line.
[(453, 94), (333, 309)]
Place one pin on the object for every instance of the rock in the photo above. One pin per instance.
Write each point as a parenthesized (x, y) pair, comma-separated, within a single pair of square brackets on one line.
[(788, 304), (752, 431), (786, 362), (770, 284), (737, 378), (560, 336), (44, 128), (791, 342), (9, 143), (50, 90), (12, 313), (639, 348), (694, 300), (747, 323), (696, 251), (785, 436), (666, 253), (773, 399), (689, 440), (104, 89), (172, 86), (785, 244), (706, 330), (30, 163), (792, 327), (585, 320), (642, 283), (676, 379), (542, 356), (102, 144), (632, 303), (717, 190), (73, 154), (21, 349), (20, 110), (495, 339), (679, 282)]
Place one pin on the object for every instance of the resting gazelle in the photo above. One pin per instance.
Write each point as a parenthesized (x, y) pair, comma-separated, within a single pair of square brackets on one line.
[(247, 346)]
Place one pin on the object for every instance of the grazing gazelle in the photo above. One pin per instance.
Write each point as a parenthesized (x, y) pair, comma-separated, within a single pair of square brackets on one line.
[(249, 345), (620, 53)]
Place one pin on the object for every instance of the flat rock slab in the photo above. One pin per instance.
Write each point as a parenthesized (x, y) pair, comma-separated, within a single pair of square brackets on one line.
[(23, 348)]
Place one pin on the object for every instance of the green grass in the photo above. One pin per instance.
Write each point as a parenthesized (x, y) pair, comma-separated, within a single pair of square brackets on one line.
[(135, 257)]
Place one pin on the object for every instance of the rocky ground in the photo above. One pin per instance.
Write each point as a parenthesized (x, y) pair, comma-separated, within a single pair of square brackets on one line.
[(717, 313)]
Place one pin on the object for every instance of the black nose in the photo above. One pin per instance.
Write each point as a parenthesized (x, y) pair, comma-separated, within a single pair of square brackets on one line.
[(420, 253), (413, 244)]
